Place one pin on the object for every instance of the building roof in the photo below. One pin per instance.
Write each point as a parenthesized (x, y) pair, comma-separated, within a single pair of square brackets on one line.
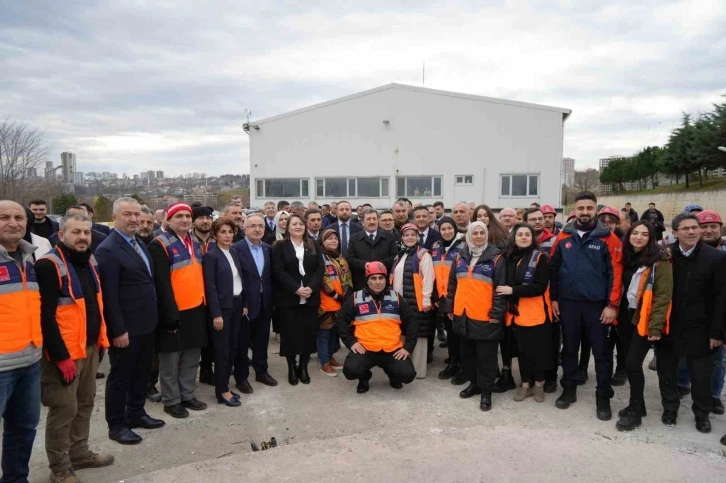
[(424, 90)]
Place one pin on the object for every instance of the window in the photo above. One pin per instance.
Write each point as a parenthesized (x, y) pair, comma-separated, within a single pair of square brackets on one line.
[(282, 188), (414, 186), (351, 187), (519, 185), (464, 179)]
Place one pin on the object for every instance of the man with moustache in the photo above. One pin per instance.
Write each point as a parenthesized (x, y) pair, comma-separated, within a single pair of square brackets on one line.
[(535, 218), (238, 215), (400, 215), (74, 332), (146, 226), (550, 215), (460, 214), (508, 218), (97, 237), (370, 245)]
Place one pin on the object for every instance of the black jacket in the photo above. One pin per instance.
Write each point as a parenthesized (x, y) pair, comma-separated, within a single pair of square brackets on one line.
[(287, 276), (52, 226), (362, 250), (699, 299), (657, 220), (218, 281), (632, 214)]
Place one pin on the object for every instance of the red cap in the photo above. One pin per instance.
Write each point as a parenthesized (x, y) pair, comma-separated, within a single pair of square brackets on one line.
[(548, 210), (173, 209), (609, 210), (709, 216), (375, 268), (408, 226)]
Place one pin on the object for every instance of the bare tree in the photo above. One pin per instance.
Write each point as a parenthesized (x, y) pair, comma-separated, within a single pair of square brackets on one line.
[(21, 147), (587, 180)]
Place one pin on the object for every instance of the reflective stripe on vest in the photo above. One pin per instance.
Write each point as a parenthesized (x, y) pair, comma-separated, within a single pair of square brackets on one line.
[(377, 328), (71, 311), (443, 261), (645, 295), (19, 307), (187, 277), (532, 310), (474, 288), (328, 303)]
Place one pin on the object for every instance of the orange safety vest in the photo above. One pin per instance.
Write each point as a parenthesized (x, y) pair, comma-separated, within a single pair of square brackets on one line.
[(328, 303), (19, 307), (645, 298), (187, 277), (417, 275), (377, 328), (443, 261), (71, 311), (532, 310), (474, 288)]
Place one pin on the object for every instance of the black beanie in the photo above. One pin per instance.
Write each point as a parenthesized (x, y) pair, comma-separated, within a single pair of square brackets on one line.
[(447, 219), (201, 211)]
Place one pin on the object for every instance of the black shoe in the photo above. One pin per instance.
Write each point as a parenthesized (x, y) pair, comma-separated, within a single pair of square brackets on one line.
[(717, 406), (266, 379), (669, 418), (292, 374), (451, 370), (206, 376), (568, 396), (639, 406), (441, 335), (396, 384), (124, 435), (444, 345), (723, 440), (683, 391), (602, 401), (152, 394), (581, 377), (703, 425), (459, 379), (470, 391), (244, 387), (505, 382), (363, 386), (630, 420), (146, 422), (302, 373), (485, 404), (101, 375), (194, 404), (176, 411), (619, 378), (232, 402), (550, 387)]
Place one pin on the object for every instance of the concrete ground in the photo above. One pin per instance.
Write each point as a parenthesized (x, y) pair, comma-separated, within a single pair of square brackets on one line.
[(424, 432)]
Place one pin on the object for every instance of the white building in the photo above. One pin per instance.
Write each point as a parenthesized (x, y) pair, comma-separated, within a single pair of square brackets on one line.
[(399, 140), (568, 172), (68, 160)]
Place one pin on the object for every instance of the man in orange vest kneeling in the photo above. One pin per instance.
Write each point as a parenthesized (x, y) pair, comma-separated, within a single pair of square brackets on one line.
[(370, 323), (74, 332)]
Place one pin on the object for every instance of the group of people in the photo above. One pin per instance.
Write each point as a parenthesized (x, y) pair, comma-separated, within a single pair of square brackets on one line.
[(183, 295)]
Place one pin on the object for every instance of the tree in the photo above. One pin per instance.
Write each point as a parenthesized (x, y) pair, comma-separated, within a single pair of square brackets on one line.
[(138, 198), (586, 180), (22, 148), (102, 209), (63, 202)]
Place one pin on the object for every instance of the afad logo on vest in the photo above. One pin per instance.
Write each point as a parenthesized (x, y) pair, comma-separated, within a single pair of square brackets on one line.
[(364, 309), (568, 245), (4, 274)]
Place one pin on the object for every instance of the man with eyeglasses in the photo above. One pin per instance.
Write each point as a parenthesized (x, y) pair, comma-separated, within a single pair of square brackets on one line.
[(508, 218), (536, 220), (696, 321)]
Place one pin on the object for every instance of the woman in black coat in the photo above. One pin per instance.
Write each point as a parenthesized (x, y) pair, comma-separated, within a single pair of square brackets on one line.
[(298, 269)]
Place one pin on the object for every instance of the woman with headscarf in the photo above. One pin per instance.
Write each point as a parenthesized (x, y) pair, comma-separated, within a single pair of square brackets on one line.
[(412, 277), (337, 284), (478, 311), (281, 219), (527, 282), (497, 233), (443, 254)]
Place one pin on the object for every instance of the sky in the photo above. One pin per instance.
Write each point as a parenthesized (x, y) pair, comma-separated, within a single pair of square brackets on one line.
[(136, 85)]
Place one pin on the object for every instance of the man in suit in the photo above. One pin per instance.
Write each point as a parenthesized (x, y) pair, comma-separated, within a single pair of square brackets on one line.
[(427, 236), (95, 226), (130, 311), (254, 257), (332, 214), (345, 227), (164, 225), (313, 222), (370, 245), (269, 219)]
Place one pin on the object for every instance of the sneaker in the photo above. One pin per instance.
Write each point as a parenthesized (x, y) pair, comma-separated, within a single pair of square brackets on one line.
[(67, 476), (335, 364), (328, 370), (92, 460), (522, 393)]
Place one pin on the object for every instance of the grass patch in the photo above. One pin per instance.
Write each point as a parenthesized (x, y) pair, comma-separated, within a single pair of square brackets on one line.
[(713, 184)]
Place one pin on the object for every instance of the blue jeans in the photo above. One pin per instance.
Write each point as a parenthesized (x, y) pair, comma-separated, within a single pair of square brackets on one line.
[(718, 360), (326, 344), (20, 400)]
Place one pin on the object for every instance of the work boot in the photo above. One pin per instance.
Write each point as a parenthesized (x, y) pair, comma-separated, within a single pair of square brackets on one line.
[(395, 384), (206, 376), (363, 384), (630, 419), (470, 391), (619, 378), (568, 396), (717, 406), (67, 476), (485, 404), (550, 387), (505, 382), (582, 376), (669, 418), (638, 405), (703, 424), (92, 460), (450, 370), (602, 401), (652, 364), (522, 393), (460, 378)]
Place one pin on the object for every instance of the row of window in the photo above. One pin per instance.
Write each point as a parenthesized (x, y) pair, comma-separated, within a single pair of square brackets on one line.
[(511, 185)]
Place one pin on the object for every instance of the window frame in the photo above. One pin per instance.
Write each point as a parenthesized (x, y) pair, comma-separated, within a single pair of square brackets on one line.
[(303, 188), (528, 177), (463, 178), (433, 179), (352, 190)]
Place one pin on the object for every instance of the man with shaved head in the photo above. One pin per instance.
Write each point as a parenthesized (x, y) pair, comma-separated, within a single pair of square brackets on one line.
[(508, 218)]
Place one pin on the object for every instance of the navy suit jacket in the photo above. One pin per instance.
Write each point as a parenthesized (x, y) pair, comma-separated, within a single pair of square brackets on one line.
[(432, 238), (218, 282), (129, 294), (258, 290), (353, 228), (102, 228)]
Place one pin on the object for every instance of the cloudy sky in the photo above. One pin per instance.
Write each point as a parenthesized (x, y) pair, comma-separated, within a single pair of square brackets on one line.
[(137, 85)]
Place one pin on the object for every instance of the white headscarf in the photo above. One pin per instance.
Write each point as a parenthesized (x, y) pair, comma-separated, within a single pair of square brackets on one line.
[(279, 233), (476, 251)]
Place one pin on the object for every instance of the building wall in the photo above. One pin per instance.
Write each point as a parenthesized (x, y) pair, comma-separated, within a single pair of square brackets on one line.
[(426, 135), (670, 204)]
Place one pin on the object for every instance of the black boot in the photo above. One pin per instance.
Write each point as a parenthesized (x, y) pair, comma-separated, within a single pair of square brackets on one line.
[(363, 385), (451, 370), (459, 378), (638, 405), (206, 376), (550, 387), (485, 404), (291, 371), (505, 382), (602, 400), (470, 391), (619, 378), (302, 370), (568, 396), (630, 419), (717, 407), (582, 376)]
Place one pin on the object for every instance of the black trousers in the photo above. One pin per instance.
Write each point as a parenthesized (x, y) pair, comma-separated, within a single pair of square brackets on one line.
[(479, 359), (154, 373), (637, 351), (506, 347), (622, 336), (127, 381), (358, 366), (667, 366), (208, 354), (253, 333), (551, 374), (453, 340), (585, 353), (225, 346)]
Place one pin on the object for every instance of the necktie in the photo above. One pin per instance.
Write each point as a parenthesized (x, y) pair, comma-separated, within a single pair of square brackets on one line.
[(420, 238), (344, 241), (136, 246), (372, 237)]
